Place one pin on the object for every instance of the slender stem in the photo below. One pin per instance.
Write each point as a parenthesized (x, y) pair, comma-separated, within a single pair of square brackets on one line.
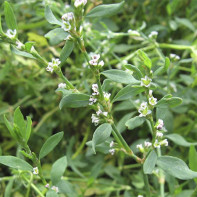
[(175, 46), (29, 185), (146, 182)]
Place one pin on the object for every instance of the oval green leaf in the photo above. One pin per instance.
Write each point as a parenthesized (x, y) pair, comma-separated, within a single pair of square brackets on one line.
[(66, 51), (135, 122), (50, 144), (150, 162), (50, 16)]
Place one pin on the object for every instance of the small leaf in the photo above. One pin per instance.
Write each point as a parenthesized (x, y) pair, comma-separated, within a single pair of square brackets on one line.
[(58, 169), (164, 68), (50, 16), (120, 76), (51, 193), (50, 144), (66, 51), (10, 128), (170, 101), (144, 57), (21, 53), (128, 92), (56, 36), (150, 162), (28, 128), (101, 134), (9, 16), (176, 167), (28, 46), (178, 139), (193, 159), (135, 70), (15, 162), (135, 122), (105, 10), (74, 101)]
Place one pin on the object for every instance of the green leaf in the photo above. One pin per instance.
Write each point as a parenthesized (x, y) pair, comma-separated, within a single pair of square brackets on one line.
[(176, 167), (150, 162), (105, 10), (28, 46), (20, 122), (170, 101), (8, 189), (120, 76), (56, 36), (193, 159), (28, 128), (164, 68), (135, 122), (74, 101), (144, 57), (185, 22), (51, 193), (135, 70), (101, 134), (10, 128), (67, 188), (66, 51), (1, 30), (50, 16), (9, 16), (178, 139), (58, 169), (15, 162), (128, 92), (50, 144), (21, 53)]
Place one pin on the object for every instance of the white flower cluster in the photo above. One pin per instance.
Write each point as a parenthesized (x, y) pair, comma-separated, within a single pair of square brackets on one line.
[(146, 81), (95, 117), (133, 32), (61, 85), (144, 110), (35, 170), (95, 93), (53, 64), (174, 57), (95, 60), (67, 19), (146, 145), (106, 96), (80, 3), (54, 188), (111, 150), (11, 33), (153, 34), (152, 100)]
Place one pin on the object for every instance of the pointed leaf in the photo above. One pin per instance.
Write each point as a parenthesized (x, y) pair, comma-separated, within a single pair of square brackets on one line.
[(135, 70), (66, 51), (28, 128), (10, 128), (50, 144), (150, 162), (15, 162), (50, 16), (21, 53)]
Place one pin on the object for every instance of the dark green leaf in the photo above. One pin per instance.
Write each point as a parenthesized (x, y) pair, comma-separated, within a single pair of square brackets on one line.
[(50, 144), (74, 101), (15, 162), (58, 169), (101, 134), (120, 76), (50, 16), (135, 122), (9, 16), (176, 167), (150, 162), (105, 10), (66, 51), (135, 70)]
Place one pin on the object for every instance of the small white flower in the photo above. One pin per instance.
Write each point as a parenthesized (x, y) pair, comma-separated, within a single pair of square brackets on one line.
[(93, 62), (152, 100), (56, 189), (112, 151), (159, 124), (47, 185), (101, 63), (133, 32), (143, 110), (153, 34), (146, 81), (164, 142), (139, 196), (35, 170), (79, 3), (111, 144), (61, 85), (105, 113), (19, 44), (95, 89), (54, 63), (139, 146), (174, 56), (95, 119), (11, 33), (106, 96), (66, 26), (150, 93), (157, 144), (92, 100), (147, 144), (68, 37), (159, 134), (68, 17), (95, 57)]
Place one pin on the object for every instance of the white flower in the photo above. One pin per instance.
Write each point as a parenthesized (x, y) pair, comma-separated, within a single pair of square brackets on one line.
[(152, 100), (106, 96), (105, 113), (164, 142), (66, 26), (95, 119), (159, 124), (99, 112), (139, 196), (56, 189), (47, 185), (94, 60), (35, 170), (146, 81), (147, 144), (54, 63), (157, 144), (159, 134), (143, 110), (139, 146), (68, 37), (19, 44), (68, 17), (111, 144), (153, 34), (92, 100), (61, 85), (95, 57), (101, 63), (150, 92), (79, 3), (133, 32), (11, 33), (174, 56), (95, 89), (112, 151)]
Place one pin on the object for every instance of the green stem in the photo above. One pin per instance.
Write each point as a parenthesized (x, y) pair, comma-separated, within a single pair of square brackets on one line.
[(175, 46), (146, 182), (29, 185)]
